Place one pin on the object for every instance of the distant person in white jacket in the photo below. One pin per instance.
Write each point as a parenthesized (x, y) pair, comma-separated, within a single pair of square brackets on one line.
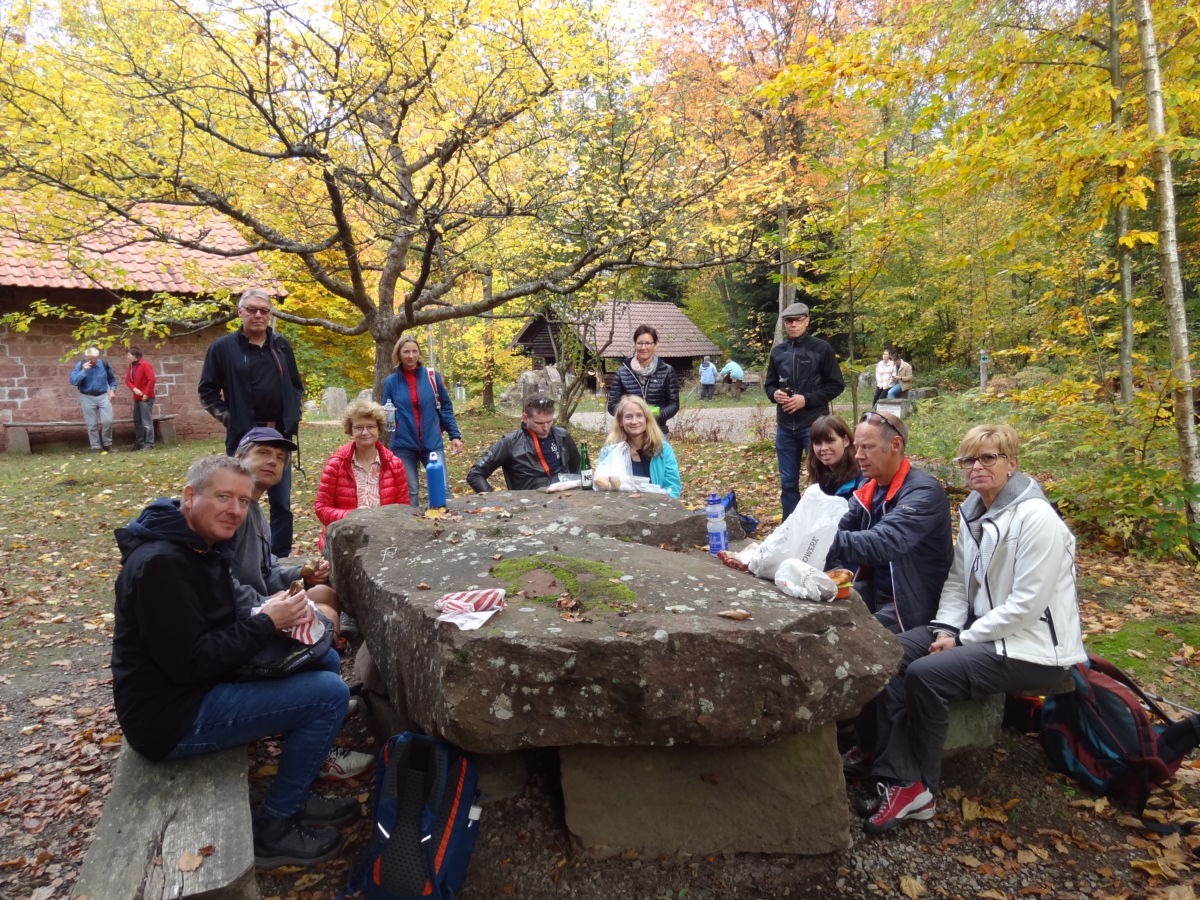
[(1007, 620)]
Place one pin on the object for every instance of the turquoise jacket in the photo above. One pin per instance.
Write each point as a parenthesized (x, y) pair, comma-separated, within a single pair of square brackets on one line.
[(664, 470)]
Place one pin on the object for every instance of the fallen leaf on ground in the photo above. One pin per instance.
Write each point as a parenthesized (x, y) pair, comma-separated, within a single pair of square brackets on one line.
[(911, 887)]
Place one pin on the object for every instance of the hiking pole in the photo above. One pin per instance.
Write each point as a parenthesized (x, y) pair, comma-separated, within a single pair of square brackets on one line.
[(1157, 699)]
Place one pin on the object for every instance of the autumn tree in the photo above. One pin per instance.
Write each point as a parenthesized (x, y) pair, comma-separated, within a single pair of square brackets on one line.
[(390, 156)]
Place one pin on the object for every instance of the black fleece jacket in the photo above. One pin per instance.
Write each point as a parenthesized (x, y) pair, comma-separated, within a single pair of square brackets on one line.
[(176, 633)]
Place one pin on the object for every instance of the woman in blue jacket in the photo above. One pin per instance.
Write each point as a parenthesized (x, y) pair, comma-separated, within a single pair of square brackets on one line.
[(649, 452), (423, 412)]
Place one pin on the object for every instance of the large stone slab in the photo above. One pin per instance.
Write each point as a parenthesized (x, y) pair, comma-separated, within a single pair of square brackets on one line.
[(787, 797), (655, 666)]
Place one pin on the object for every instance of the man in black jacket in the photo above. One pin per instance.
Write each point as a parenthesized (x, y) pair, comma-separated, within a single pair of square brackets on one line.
[(533, 456), (802, 377), (250, 379), (178, 644)]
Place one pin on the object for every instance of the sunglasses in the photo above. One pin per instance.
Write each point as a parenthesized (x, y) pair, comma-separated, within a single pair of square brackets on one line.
[(878, 418)]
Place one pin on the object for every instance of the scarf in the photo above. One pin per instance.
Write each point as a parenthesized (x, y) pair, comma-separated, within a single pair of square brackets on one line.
[(641, 373)]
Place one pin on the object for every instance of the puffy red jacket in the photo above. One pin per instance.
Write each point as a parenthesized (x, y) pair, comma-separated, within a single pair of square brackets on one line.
[(337, 493)]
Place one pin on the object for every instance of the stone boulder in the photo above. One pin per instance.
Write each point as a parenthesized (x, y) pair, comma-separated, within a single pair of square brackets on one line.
[(608, 639), (547, 382), (333, 402)]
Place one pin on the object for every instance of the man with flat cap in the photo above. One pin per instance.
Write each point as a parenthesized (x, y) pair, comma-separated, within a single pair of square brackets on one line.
[(802, 377)]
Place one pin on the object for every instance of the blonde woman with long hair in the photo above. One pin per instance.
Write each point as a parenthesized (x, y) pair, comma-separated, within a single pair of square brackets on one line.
[(650, 454)]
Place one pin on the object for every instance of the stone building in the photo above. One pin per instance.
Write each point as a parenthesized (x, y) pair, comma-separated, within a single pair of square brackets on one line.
[(113, 260)]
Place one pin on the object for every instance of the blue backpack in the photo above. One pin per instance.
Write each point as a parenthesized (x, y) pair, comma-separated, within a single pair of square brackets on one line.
[(1103, 735), (426, 818)]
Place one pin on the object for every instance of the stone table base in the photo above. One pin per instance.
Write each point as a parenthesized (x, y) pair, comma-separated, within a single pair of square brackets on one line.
[(787, 797)]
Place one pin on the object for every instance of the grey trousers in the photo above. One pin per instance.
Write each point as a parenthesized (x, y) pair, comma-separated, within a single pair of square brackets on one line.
[(143, 423), (914, 708), (97, 415)]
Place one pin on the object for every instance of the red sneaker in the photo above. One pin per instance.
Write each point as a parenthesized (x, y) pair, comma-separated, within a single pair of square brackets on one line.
[(898, 802)]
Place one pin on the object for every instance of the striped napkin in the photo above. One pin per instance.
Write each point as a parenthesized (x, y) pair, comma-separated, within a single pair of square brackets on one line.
[(470, 609)]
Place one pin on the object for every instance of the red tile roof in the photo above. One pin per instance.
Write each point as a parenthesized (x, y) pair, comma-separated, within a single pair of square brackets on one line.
[(678, 336), (117, 255)]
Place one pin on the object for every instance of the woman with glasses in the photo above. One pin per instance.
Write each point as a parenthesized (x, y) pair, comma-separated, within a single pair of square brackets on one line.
[(646, 376), (362, 473), (831, 462), (1007, 620), (423, 412), (650, 455)]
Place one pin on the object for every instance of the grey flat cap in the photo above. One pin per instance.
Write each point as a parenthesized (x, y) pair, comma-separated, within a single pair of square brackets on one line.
[(795, 311)]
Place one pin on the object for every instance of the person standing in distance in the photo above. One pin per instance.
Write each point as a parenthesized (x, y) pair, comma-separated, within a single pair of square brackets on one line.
[(97, 385), (802, 377), (250, 380), (140, 380)]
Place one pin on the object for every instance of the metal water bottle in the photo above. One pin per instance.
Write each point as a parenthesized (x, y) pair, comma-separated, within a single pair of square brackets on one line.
[(718, 533), (435, 481)]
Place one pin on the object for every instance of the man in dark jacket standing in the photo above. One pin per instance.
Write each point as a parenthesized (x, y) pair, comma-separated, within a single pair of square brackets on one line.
[(802, 377), (178, 644), (250, 379), (533, 456)]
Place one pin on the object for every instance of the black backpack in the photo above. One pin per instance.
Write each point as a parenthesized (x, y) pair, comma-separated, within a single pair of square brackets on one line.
[(426, 818), (1113, 738)]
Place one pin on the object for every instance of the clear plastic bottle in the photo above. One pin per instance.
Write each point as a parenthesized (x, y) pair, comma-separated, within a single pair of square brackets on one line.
[(718, 533), (435, 482), (389, 410)]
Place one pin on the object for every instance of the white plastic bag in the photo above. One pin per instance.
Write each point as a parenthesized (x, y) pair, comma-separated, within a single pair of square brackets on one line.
[(614, 470), (806, 535), (801, 580)]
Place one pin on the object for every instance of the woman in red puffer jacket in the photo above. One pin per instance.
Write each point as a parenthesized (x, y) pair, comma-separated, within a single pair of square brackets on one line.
[(362, 473)]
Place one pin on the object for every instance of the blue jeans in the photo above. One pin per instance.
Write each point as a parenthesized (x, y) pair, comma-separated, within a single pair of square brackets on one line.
[(307, 709), (413, 461), (279, 499), (895, 391), (790, 447)]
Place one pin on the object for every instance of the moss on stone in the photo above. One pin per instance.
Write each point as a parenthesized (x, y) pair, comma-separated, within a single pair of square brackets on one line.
[(595, 585)]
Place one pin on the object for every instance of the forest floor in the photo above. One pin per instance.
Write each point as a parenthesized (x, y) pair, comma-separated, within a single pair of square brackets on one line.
[(1006, 826)]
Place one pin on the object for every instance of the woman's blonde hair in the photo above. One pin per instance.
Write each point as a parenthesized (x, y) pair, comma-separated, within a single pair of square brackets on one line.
[(1003, 436), (404, 339), (363, 409), (654, 436)]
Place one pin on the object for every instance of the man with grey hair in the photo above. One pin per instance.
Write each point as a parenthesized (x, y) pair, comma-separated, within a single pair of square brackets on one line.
[(178, 645), (97, 385), (249, 380)]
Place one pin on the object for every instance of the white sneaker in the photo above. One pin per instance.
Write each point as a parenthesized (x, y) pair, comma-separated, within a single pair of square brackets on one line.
[(344, 763)]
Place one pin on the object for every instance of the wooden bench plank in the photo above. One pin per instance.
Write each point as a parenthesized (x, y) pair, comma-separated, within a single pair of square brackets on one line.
[(156, 812), (17, 433)]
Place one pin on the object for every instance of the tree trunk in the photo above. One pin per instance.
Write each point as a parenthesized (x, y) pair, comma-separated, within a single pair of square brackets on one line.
[(1169, 272), (489, 353), (1121, 215)]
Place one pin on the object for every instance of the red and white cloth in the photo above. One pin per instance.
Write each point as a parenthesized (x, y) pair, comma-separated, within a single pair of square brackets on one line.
[(470, 609), (309, 633)]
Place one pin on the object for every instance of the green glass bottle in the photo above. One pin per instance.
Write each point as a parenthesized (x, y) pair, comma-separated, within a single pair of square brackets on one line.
[(585, 468)]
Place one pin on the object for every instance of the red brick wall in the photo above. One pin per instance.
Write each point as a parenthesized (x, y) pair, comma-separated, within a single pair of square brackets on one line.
[(34, 384)]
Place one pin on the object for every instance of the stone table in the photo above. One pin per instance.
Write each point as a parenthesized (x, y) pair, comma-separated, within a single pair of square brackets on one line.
[(677, 729)]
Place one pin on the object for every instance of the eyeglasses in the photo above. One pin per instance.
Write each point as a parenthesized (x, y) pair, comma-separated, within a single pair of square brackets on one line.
[(791, 319), (872, 416), (370, 427), (644, 344), (256, 310), (987, 460)]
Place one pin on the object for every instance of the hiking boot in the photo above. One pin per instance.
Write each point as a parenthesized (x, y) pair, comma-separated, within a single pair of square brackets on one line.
[(898, 802), (284, 841), (328, 810), (343, 763), (348, 625), (856, 762)]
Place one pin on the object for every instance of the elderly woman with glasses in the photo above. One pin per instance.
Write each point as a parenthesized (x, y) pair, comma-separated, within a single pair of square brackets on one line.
[(645, 375), (362, 473), (1007, 620)]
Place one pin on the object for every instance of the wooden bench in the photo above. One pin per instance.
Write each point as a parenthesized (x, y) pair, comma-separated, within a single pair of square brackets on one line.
[(18, 432), (156, 813)]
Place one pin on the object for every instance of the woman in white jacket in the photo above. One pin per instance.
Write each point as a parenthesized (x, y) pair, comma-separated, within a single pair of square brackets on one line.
[(1007, 620)]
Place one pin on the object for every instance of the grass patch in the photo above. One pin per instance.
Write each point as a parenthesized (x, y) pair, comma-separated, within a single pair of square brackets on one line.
[(1145, 648)]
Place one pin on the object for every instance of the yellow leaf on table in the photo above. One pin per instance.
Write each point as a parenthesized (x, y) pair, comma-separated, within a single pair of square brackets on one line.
[(190, 862), (911, 887)]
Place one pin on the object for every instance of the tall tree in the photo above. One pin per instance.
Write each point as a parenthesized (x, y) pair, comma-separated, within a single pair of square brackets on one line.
[(390, 155)]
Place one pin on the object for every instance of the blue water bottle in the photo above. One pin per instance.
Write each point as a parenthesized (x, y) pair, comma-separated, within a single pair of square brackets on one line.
[(718, 533), (435, 481)]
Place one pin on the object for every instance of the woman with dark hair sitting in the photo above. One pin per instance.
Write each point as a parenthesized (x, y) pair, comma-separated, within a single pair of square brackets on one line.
[(831, 462), (645, 375)]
